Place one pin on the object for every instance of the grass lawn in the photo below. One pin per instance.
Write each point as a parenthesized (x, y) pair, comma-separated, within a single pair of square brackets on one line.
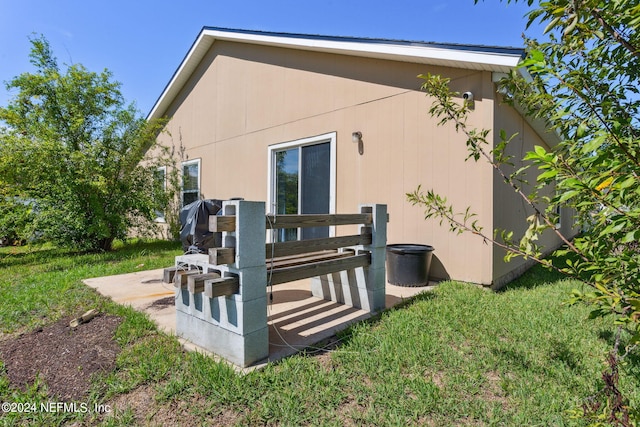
[(457, 356)]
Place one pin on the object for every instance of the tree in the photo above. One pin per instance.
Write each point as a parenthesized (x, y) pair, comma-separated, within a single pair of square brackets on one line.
[(584, 81), (73, 150)]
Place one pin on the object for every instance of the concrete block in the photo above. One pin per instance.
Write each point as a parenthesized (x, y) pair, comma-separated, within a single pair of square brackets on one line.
[(253, 282), (369, 278), (250, 232), (241, 317), (378, 255), (194, 260), (350, 288), (241, 350), (189, 303), (364, 299), (183, 300), (328, 287), (379, 226)]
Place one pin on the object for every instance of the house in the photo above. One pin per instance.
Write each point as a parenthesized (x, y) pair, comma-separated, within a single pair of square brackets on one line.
[(316, 124)]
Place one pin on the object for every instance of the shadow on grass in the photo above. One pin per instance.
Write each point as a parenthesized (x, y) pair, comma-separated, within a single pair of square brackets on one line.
[(513, 357), (633, 358), (344, 337), (56, 257), (539, 275), (564, 353), (406, 302), (25, 255)]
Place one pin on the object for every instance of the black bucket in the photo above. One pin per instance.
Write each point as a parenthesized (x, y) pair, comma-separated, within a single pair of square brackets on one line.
[(408, 264)]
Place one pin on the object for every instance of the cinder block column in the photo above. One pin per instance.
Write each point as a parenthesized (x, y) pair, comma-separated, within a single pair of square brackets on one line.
[(235, 327), (363, 287)]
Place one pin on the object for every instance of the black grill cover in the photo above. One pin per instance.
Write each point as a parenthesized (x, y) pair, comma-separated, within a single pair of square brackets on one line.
[(194, 226)]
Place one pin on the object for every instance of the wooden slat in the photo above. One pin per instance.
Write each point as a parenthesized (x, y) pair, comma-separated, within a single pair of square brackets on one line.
[(298, 256), (168, 274), (221, 256), (219, 223), (181, 276), (306, 259), (289, 274), (195, 282), (223, 286), (295, 221), (297, 247)]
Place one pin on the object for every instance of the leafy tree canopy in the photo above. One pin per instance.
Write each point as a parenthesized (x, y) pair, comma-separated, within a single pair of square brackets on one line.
[(72, 150), (583, 80)]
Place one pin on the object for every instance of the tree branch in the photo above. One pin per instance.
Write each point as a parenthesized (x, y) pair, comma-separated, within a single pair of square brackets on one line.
[(596, 13)]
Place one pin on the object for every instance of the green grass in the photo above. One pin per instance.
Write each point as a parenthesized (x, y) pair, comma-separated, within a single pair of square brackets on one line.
[(459, 355)]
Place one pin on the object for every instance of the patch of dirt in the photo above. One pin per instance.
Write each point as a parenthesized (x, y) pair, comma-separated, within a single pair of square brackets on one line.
[(65, 358), (348, 413), (493, 391), (322, 352), (162, 303), (147, 411), (438, 379)]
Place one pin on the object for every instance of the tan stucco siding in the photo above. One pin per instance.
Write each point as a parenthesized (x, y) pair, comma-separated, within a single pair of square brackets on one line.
[(510, 210), (244, 98)]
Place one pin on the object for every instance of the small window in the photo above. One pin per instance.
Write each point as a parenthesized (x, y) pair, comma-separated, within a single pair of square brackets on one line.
[(190, 181), (160, 188)]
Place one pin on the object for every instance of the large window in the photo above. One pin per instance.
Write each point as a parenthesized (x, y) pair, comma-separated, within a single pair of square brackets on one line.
[(190, 181), (302, 181)]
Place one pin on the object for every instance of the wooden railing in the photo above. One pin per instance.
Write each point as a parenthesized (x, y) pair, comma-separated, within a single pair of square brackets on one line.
[(301, 259), (285, 261)]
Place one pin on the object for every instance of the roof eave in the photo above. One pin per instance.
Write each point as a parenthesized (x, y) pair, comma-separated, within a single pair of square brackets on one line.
[(406, 52)]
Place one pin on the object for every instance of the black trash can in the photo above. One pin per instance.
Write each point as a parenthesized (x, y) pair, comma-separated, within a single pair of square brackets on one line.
[(408, 264)]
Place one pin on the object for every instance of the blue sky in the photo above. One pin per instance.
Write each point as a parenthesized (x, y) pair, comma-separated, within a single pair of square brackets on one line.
[(143, 42)]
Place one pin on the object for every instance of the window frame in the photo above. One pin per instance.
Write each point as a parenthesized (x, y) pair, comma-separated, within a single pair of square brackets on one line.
[(198, 191), (330, 138)]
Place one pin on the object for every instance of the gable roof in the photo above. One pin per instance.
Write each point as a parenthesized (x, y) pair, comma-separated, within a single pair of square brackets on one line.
[(475, 57)]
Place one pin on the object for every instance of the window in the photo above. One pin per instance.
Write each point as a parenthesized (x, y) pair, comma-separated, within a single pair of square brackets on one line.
[(190, 181), (302, 181), (160, 179)]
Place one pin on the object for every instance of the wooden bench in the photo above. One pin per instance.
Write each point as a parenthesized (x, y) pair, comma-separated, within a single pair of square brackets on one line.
[(285, 261), (242, 269)]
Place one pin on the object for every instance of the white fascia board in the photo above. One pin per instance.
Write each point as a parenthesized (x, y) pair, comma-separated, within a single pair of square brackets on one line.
[(411, 53)]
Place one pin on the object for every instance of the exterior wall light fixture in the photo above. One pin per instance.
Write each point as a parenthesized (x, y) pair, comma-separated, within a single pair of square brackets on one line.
[(356, 137)]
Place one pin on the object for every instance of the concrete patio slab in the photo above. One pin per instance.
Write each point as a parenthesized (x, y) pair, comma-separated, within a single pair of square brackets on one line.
[(296, 319)]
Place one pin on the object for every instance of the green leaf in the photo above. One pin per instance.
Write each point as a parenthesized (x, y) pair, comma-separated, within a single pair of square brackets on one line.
[(594, 144), (572, 25), (551, 25), (566, 195), (540, 151), (582, 128), (548, 175), (632, 236), (629, 182)]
